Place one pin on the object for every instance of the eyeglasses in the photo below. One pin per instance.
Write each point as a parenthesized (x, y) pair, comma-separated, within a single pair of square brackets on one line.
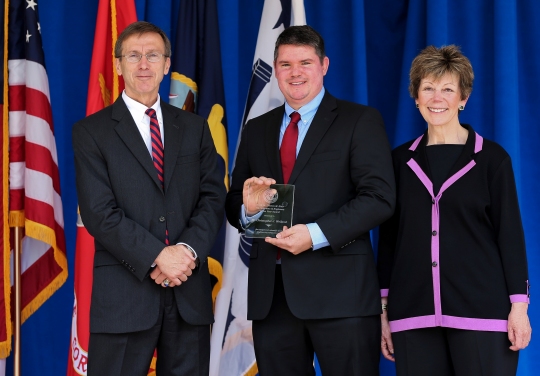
[(152, 57)]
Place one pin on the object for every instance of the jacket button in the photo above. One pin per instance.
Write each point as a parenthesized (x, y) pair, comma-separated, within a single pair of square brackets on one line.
[(434, 264), (162, 219), (434, 233)]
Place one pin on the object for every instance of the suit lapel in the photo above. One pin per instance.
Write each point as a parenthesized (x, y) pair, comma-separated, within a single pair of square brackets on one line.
[(129, 133), (323, 119), (272, 143), (173, 137)]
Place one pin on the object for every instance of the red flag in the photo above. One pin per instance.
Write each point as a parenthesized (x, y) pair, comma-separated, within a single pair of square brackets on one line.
[(104, 86), (35, 204)]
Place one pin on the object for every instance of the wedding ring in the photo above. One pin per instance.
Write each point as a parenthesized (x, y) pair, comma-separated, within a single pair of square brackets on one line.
[(166, 282)]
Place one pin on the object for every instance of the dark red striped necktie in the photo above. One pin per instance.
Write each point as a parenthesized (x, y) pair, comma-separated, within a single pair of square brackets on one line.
[(157, 152), (157, 144)]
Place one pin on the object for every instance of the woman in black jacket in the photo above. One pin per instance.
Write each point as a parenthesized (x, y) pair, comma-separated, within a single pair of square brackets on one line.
[(452, 262)]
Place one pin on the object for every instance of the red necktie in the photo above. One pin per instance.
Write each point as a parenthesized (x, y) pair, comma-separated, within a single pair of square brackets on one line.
[(157, 151), (288, 147), (157, 145), (288, 152)]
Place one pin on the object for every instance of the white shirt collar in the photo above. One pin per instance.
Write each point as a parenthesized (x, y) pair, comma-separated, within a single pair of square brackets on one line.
[(138, 110)]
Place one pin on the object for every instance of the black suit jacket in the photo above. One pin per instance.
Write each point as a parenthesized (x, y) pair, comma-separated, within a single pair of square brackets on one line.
[(125, 209), (344, 182)]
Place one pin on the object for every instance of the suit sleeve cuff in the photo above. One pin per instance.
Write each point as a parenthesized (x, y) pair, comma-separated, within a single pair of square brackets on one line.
[(317, 237)]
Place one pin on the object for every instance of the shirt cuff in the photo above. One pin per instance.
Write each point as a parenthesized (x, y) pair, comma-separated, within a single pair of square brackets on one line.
[(317, 237), (190, 249), (245, 220), (384, 293)]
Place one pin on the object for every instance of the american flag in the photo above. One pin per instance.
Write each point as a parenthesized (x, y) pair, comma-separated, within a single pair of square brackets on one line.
[(34, 184)]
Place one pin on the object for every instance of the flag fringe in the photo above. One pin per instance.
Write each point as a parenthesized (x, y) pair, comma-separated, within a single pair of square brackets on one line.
[(46, 235), (5, 347), (114, 35), (105, 93), (44, 294)]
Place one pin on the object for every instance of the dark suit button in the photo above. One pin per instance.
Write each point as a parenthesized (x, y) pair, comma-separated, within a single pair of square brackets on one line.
[(434, 233), (162, 219), (434, 264)]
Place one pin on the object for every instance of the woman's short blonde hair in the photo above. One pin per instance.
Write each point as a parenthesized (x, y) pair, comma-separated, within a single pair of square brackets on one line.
[(436, 62)]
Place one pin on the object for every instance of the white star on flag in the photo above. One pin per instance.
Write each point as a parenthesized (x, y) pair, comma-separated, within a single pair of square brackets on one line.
[(28, 35), (31, 4)]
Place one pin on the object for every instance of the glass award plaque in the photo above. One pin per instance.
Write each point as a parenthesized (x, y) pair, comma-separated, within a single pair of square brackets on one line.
[(276, 204)]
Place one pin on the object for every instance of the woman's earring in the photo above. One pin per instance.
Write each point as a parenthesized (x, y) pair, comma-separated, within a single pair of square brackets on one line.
[(461, 108), (417, 106)]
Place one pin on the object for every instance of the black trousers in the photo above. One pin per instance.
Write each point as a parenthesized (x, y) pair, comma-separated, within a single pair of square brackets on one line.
[(183, 349), (453, 352), (285, 344)]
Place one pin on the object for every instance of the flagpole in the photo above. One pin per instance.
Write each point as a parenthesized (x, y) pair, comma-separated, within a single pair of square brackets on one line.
[(17, 284)]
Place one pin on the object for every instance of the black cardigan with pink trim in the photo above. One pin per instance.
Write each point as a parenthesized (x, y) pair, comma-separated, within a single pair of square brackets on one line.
[(454, 258)]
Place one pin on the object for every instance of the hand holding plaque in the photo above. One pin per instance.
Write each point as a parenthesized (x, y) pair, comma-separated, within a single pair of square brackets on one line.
[(276, 202), (253, 188), (260, 197)]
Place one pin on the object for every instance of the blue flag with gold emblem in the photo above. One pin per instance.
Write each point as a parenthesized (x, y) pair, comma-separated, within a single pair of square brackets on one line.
[(197, 86)]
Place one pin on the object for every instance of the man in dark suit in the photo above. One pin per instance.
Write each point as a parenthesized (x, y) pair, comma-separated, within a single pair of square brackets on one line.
[(152, 195), (319, 293)]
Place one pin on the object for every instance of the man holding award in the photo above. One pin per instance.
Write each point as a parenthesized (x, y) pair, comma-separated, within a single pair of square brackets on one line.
[(312, 178)]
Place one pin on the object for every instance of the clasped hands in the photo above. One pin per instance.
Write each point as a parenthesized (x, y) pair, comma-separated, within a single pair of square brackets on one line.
[(174, 264), (296, 239)]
